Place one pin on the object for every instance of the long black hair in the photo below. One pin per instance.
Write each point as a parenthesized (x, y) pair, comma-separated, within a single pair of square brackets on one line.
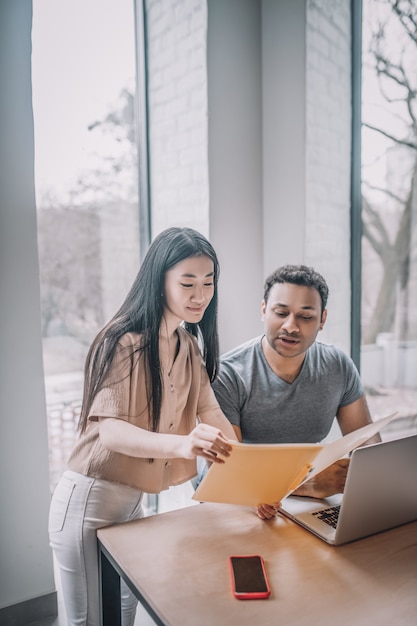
[(142, 312)]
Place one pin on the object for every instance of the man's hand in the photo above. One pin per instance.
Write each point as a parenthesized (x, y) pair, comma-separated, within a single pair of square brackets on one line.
[(328, 482), (267, 511)]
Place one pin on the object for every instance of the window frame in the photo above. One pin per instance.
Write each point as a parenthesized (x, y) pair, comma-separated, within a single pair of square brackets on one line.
[(142, 127), (356, 178)]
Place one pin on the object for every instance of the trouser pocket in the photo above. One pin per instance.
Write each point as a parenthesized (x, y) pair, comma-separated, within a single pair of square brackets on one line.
[(59, 504)]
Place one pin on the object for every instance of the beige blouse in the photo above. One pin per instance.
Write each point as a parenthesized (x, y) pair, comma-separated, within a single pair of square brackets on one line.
[(186, 394)]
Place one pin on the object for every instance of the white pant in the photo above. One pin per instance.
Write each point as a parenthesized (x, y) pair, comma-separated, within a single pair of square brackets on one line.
[(79, 506)]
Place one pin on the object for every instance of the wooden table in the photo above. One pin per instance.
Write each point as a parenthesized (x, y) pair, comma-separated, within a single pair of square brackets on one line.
[(177, 565)]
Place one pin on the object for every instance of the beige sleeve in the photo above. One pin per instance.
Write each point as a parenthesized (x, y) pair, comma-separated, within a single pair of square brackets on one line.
[(113, 398)]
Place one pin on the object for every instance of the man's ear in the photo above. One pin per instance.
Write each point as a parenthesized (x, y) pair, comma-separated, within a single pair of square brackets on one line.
[(263, 307), (323, 319)]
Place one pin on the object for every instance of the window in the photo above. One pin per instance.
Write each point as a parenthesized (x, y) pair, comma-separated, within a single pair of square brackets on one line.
[(389, 207), (93, 211), (86, 188)]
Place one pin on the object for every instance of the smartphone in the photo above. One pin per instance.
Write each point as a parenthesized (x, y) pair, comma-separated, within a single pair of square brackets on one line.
[(249, 579)]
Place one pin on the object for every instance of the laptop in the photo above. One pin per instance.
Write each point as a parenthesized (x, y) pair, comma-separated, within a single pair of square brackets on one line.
[(380, 493)]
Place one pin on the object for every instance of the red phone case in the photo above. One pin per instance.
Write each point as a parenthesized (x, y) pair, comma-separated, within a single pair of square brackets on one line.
[(249, 579)]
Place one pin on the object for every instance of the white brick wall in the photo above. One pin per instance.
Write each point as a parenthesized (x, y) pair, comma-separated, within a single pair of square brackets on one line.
[(328, 111), (178, 135), (178, 113)]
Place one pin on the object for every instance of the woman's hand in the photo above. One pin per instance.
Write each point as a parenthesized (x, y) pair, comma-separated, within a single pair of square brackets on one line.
[(125, 438), (267, 511), (205, 441)]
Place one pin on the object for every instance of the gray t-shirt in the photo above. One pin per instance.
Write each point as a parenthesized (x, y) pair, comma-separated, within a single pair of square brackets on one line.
[(269, 410)]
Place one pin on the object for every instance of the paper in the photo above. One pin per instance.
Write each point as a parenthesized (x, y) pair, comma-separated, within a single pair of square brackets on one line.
[(335, 450), (266, 473)]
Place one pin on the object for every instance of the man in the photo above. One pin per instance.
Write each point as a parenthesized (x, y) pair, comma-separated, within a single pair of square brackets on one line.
[(286, 387)]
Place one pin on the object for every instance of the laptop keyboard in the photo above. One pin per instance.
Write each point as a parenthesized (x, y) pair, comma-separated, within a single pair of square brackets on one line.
[(329, 516)]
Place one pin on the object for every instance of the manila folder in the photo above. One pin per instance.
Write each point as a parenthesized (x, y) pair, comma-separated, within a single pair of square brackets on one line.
[(266, 473), (257, 473)]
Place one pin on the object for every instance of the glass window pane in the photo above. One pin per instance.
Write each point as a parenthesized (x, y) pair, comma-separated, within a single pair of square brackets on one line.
[(389, 210), (86, 188)]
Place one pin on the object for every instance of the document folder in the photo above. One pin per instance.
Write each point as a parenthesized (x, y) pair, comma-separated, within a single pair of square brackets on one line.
[(266, 473)]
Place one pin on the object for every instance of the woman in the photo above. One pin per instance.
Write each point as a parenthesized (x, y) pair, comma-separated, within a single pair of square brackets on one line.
[(148, 411)]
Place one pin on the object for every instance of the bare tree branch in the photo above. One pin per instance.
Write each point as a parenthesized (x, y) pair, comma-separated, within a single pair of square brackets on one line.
[(404, 11), (374, 229), (388, 192), (403, 142), (391, 70)]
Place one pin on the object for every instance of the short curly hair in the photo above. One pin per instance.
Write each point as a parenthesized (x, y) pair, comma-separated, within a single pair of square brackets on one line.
[(298, 275)]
